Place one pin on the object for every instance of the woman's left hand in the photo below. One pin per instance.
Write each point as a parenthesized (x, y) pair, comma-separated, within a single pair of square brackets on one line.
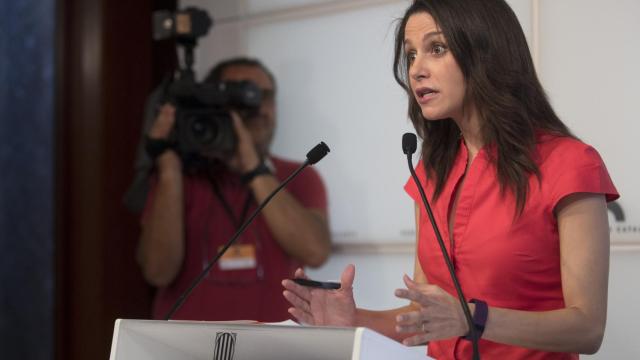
[(438, 316)]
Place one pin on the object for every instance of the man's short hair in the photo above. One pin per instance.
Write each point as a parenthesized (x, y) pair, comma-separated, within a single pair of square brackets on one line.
[(215, 75)]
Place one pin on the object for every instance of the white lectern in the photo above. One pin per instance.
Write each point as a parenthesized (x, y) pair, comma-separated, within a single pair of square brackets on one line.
[(164, 340)]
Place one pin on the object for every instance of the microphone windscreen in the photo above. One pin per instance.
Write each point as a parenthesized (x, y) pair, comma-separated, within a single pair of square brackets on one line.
[(317, 153), (409, 143)]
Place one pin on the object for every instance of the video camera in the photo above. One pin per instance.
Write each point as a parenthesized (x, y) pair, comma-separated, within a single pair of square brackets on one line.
[(203, 127)]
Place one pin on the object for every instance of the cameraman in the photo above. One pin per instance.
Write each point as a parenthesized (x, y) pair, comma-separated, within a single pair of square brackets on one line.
[(190, 215)]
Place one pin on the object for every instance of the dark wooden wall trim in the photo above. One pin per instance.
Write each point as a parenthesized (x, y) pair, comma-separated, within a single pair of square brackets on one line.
[(106, 68)]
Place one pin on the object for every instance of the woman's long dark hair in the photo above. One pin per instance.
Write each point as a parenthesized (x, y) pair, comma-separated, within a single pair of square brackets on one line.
[(488, 44)]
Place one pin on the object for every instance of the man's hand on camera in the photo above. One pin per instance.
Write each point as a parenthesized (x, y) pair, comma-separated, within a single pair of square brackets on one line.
[(163, 123), (246, 157), (161, 128)]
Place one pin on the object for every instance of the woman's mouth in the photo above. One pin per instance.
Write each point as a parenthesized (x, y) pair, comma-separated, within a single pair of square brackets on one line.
[(425, 94)]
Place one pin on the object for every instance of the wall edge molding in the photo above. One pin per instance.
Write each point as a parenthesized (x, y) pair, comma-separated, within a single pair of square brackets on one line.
[(303, 11), (370, 248)]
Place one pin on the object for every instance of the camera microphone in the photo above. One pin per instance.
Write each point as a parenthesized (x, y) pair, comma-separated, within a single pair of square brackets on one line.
[(313, 156)]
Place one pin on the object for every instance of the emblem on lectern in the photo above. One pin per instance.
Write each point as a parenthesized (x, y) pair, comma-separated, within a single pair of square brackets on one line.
[(224, 346)]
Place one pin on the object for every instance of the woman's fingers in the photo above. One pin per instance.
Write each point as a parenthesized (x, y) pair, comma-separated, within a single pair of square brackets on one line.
[(410, 329), (423, 294), (320, 306), (301, 309), (410, 318), (300, 273), (412, 295), (414, 322), (417, 286), (301, 316), (419, 339), (296, 301), (408, 281), (347, 276), (301, 291)]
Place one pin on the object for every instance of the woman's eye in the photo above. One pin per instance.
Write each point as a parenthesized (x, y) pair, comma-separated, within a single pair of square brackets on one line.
[(411, 56), (438, 49)]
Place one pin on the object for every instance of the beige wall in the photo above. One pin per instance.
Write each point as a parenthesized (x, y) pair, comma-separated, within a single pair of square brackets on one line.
[(333, 63)]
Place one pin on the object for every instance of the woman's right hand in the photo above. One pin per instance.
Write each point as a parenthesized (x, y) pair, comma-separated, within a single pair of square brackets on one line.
[(314, 306)]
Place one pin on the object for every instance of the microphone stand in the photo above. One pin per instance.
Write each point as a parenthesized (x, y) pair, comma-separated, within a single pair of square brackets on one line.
[(409, 147)]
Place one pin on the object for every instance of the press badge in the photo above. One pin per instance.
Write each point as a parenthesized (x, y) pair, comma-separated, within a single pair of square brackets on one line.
[(238, 257)]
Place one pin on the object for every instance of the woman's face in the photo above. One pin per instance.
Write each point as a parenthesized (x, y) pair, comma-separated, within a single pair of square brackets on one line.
[(434, 75)]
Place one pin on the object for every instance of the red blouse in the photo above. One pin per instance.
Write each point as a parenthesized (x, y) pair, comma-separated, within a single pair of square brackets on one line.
[(509, 263)]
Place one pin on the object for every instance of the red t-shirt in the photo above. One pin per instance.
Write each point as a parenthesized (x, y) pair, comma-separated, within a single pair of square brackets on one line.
[(508, 263), (251, 294)]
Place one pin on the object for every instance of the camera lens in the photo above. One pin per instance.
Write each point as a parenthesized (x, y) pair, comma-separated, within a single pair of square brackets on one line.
[(204, 130)]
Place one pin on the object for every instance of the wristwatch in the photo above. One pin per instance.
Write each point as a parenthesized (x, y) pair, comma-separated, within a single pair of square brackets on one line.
[(480, 315), (155, 147), (261, 169)]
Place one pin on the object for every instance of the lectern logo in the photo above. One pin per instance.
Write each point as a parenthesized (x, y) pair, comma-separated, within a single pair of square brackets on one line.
[(225, 346)]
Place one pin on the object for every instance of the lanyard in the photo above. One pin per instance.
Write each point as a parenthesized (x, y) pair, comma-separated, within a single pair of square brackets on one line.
[(237, 222), (227, 207)]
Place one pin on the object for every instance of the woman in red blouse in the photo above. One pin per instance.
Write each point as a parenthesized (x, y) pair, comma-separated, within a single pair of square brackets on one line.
[(521, 203)]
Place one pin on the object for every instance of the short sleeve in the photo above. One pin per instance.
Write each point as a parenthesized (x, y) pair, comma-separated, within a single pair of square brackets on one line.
[(308, 187), (579, 169), (315, 195)]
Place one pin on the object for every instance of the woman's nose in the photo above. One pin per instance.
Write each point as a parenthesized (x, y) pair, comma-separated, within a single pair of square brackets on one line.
[(419, 70)]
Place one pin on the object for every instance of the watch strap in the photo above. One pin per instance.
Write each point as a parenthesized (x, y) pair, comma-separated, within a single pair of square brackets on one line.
[(480, 315), (261, 169), (155, 147)]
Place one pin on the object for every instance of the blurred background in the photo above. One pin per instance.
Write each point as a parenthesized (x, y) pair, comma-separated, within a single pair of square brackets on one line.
[(75, 75)]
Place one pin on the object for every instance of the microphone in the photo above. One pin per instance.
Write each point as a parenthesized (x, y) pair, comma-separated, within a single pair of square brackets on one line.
[(313, 156), (409, 145), (317, 153)]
